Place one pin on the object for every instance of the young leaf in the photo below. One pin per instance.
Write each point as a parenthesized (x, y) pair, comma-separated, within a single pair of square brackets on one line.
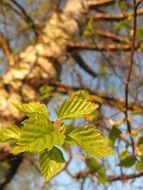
[(114, 134), (139, 165), (81, 94), (117, 123), (68, 139), (85, 95), (137, 112), (38, 134), (10, 133), (74, 108), (51, 162), (69, 129), (32, 108), (128, 161), (91, 141), (95, 166)]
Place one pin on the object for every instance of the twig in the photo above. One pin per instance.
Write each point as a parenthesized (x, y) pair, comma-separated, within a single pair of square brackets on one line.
[(83, 65), (124, 177), (27, 18), (99, 47), (94, 4), (130, 72), (110, 178), (115, 102), (113, 17)]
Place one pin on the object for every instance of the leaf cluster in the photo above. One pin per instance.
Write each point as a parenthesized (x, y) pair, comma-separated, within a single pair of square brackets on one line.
[(39, 134)]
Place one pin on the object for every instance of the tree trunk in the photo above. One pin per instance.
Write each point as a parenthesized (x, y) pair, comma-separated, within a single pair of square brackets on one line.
[(39, 62), (35, 66)]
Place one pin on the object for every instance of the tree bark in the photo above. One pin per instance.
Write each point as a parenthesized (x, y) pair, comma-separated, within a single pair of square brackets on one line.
[(35, 66), (39, 62)]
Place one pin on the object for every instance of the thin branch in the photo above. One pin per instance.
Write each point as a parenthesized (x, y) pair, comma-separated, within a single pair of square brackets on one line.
[(93, 4), (130, 72), (110, 178), (114, 102), (83, 65), (125, 177), (112, 36), (25, 15), (113, 17), (100, 47)]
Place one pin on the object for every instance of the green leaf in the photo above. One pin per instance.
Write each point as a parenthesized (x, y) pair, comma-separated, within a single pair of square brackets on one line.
[(140, 139), (85, 95), (95, 166), (9, 133), (32, 108), (69, 141), (69, 129), (88, 29), (4, 165), (97, 99), (114, 133), (126, 24), (139, 165), (74, 108), (91, 117), (139, 34), (91, 141), (128, 161), (124, 153), (51, 162), (46, 92), (137, 112), (117, 123), (38, 134), (141, 46), (82, 94)]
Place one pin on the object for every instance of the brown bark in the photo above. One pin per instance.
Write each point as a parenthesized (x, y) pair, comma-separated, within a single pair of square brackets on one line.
[(114, 17), (35, 66), (39, 62)]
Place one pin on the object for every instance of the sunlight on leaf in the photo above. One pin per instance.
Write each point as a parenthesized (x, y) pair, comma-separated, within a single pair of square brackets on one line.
[(32, 108), (11, 132), (74, 108), (51, 162), (38, 134), (91, 141)]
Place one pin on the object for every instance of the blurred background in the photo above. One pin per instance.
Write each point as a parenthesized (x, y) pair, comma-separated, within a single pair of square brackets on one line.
[(49, 49)]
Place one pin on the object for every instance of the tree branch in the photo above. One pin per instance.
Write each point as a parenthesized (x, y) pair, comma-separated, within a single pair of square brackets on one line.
[(124, 177), (4, 45), (82, 64), (130, 72), (112, 36), (100, 47), (110, 178), (93, 4), (25, 16), (111, 101), (113, 17)]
